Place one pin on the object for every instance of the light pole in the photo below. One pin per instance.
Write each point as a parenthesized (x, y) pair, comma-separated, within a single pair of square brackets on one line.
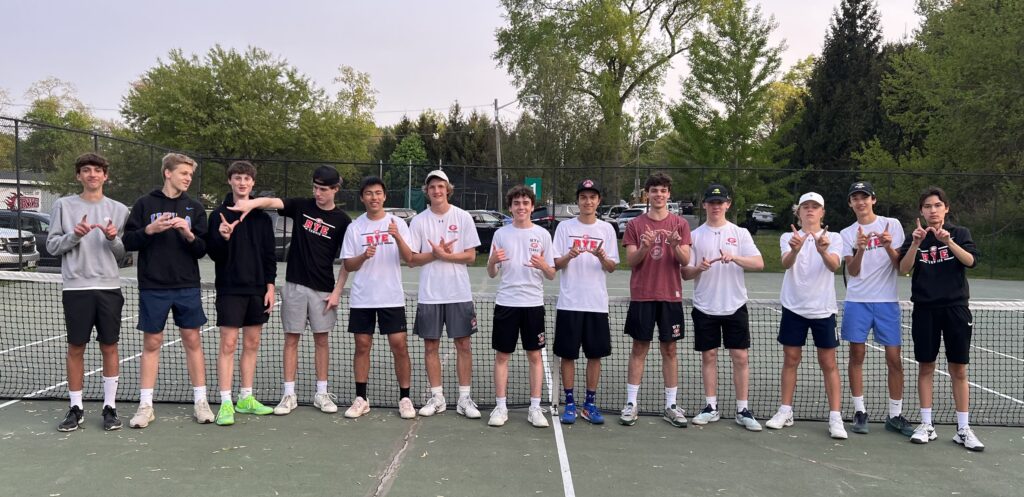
[(636, 180), (497, 141)]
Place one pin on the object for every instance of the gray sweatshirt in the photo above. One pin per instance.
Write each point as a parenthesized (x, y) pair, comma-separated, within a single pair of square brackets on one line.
[(90, 261)]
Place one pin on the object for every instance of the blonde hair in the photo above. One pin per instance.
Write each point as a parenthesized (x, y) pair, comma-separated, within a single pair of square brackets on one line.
[(172, 160), (447, 184)]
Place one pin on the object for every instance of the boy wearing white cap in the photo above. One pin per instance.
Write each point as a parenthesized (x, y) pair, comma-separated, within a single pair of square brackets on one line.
[(810, 256)]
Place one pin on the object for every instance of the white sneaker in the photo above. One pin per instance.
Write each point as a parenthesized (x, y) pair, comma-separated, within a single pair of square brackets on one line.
[(142, 417), (707, 415), (923, 434), (325, 402), (966, 437), (745, 419), (780, 420), (406, 409), (202, 412), (288, 403), (499, 416), (837, 429), (359, 407), (435, 405), (629, 415), (467, 408), (537, 417)]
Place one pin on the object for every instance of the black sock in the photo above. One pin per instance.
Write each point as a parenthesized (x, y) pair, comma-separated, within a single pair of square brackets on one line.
[(361, 390), (403, 392)]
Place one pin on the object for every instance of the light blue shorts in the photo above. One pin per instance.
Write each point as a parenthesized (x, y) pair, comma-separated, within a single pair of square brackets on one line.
[(884, 317)]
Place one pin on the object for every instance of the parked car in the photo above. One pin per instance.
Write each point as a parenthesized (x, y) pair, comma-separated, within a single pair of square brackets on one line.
[(282, 234), (624, 218), (486, 224), (543, 217), (610, 212), (685, 207), (17, 249), (402, 212), (565, 212), (505, 218), (38, 223), (760, 216)]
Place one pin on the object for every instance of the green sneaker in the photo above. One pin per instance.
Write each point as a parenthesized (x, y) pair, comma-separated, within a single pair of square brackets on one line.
[(226, 415), (250, 405)]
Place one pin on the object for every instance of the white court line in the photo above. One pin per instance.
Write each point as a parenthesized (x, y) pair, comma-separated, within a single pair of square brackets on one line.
[(563, 457)]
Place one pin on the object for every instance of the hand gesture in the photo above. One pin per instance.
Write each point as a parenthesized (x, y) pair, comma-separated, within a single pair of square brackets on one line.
[(83, 227), (705, 264), (393, 229), (675, 239), (647, 238), (919, 232), (110, 231), (600, 253), (942, 235), (537, 261), (885, 238), (227, 228), (162, 223), (268, 300), (497, 256), (822, 242), (797, 241), (862, 239), (726, 258), (573, 252), (371, 249), (331, 301), (180, 224), (243, 205)]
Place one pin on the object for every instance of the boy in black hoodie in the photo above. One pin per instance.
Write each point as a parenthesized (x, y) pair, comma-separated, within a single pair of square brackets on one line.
[(167, 228), (940, 255), (244, 258)]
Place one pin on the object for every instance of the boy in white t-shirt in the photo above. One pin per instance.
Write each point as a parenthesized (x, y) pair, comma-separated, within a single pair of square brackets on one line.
[(721, 252), (582, 310), (870, 249), (521, 253), (444, 238), (373, 250), (810, 257)]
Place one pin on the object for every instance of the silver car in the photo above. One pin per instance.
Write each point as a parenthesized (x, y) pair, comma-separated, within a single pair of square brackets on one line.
[(17, 249)]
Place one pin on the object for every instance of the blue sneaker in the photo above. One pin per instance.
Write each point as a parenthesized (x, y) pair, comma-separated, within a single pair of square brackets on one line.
[(592, 413), (569, 414)]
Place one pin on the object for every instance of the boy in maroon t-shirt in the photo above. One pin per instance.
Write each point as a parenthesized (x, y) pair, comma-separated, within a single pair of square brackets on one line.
[(657, 245)]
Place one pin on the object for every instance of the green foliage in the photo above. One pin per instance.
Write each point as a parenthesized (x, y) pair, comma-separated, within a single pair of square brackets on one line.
[(409, 151)]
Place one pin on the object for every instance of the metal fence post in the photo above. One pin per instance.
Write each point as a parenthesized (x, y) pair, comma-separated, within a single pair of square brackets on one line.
[(17, 189)]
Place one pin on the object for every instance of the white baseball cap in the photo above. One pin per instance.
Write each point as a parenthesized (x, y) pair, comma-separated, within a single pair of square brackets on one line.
[(809, 196), (437, 173)]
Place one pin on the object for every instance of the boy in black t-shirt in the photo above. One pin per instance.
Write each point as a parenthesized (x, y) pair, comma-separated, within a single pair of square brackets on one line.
[(939, 256), (311, 293)]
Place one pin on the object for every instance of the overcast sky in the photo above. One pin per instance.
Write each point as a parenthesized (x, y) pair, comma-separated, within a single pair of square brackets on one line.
[(419, 54)]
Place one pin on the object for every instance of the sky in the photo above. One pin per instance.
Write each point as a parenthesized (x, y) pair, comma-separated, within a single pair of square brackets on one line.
[(419, 54)]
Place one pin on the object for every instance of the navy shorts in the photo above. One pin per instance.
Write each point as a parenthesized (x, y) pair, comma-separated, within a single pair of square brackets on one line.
[(793, 330), (186, 304)]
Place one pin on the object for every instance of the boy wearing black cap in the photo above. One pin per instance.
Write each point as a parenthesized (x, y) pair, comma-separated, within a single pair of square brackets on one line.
[(871, 255), (721, 252), (311, 293), (582, 310)]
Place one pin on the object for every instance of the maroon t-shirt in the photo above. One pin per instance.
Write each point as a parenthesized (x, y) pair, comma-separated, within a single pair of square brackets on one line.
[(657, 277)]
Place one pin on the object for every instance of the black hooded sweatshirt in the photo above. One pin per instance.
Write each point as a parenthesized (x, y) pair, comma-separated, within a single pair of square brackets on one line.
[(166, 260), (245, 264)]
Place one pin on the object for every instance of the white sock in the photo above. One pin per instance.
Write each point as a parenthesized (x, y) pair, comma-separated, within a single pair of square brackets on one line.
[(244, 392), (437, 391), (631, 391), (464, 391), (786, 409), (146, 397), (199, 393), (835, 416), (741, 405), (858, 404), (499, 402), (962, 420), (670, 396), (225, 396), (110, 391), (76, 399), (534, 402), (289, 388), (926, 415), (712, 401), (321, 386), (895, 408)]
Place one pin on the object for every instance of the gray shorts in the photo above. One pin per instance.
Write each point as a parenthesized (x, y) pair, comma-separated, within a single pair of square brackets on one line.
[(301, 304), (458, 318)]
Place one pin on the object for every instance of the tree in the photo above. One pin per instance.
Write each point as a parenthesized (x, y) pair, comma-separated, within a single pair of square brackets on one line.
[(609, 53)]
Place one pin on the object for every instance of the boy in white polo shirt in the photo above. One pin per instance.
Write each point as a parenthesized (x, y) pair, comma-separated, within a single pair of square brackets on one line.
[(810, 257), (720, 254), (870, 249), (521, 253)]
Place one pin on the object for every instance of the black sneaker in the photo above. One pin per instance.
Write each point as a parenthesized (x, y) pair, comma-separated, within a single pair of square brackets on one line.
[(860, 423), (74, 418), (900, 425), (110, 420)]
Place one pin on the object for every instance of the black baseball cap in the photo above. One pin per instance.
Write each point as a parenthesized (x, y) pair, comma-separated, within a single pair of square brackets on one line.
[(326, 176), (861, 187), (588, 184), (716, 192)]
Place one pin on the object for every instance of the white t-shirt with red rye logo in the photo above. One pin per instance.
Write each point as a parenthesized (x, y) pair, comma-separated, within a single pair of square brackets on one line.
[(444, 282), (378, 284), (583, 284), (521, 285), (721, 290), (877, 279)]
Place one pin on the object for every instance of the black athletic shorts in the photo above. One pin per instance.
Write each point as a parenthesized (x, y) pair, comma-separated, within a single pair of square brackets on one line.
[(931, 325), (709, 332), (236, 311), (643, 315), (589, 329), (392, 320), (85, 309), (511, 322)]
